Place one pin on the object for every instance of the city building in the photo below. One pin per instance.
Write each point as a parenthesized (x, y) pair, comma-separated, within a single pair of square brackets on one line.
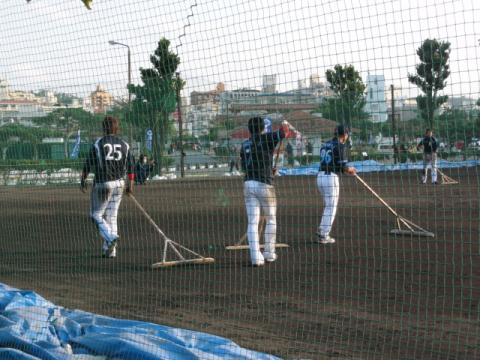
[(3, 89), (19, 111), (263, 103), (376, 105), (101, 100), (240, 96), (22, 96), (269, 84), (405, 108), (460, 103), (203, 97), (200, 118)]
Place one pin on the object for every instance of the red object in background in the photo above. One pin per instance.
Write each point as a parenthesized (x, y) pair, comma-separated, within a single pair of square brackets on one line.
[(243, 133), (460, 145)]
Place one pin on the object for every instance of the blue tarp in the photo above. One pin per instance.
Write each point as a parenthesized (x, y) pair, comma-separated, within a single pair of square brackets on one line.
[(372, 165), (34, 328)]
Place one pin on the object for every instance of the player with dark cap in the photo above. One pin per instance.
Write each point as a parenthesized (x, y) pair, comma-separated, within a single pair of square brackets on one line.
[(257, 159), (109, 158), (429, 144), (333, 161)]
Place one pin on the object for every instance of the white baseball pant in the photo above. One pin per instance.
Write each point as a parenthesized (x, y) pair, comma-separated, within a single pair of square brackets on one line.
[(105, 201), (328, 185), (429, 159), (260, 197)]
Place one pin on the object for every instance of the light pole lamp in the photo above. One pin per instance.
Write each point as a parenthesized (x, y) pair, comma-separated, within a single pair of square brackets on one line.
[(112, 42)]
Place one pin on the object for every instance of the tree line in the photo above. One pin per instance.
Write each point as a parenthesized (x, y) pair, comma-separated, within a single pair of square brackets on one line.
[(156, 99)]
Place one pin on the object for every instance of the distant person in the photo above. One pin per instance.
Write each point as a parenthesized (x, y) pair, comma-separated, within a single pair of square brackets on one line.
[(110, 159), (309, 148), (430, 145), (403, 153), (289, 151), (257, 159), (143, 169), (333, 161), (233, 159)]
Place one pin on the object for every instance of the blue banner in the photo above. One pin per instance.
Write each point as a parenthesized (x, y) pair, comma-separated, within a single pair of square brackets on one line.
[(148, 139), (76, 147)]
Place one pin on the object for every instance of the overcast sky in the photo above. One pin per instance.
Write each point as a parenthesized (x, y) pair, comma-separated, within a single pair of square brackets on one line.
[(60, 45)]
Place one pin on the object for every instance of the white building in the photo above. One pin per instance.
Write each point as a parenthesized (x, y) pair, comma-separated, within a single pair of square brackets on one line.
[(376, 105), (3, 89), (49, 98), (227, 98), (22, 95), (20, 111), (269, 84), (302, 84), (199, 118)]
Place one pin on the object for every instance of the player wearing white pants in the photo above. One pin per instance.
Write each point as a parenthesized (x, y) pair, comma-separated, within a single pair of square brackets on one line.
[(256, 159), (260, 198), (333, 160), (429, 160), (105, 201), (429, 144), (110, 159), (329, 188)]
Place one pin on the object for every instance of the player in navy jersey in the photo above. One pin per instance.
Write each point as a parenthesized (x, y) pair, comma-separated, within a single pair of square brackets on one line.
[(333, 161), (109, 159), (256, 157), (429, 144)]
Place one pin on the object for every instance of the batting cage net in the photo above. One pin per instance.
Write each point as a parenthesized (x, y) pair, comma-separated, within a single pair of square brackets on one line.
[(293, 179)]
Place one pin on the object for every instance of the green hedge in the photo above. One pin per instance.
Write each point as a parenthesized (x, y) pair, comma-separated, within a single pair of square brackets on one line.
[(41, 165)]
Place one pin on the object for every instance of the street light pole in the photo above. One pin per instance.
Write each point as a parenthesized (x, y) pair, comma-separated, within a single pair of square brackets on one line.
[(180, 126), (395, 151), (112, 42)]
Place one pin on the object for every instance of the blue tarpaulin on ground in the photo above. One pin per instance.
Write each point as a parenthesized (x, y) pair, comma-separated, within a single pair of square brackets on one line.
[(372, 165), (34, 328)]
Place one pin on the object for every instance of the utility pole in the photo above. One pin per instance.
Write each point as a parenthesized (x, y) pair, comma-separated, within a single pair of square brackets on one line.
[(129, 60), (395, 152), (180, 127)]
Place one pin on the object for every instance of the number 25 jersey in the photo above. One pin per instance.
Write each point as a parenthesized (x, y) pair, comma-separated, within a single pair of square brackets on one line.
[(110, 159)]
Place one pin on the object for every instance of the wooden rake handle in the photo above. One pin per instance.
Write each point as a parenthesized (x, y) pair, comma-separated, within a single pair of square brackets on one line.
[(364, 183), (140, 207)]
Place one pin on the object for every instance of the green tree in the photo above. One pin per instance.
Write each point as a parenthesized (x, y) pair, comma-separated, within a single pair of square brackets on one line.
[(431, 75), (14, 133), (457, 124), (68, 120), (157, 97), (346, 106)]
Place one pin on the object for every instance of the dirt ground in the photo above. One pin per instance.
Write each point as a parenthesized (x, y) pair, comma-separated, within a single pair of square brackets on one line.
[(371, 295)]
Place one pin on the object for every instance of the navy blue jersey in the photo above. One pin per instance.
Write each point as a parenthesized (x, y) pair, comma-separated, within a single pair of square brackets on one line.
[(110, 159), (257, 156), (333, 157), (429, 144)]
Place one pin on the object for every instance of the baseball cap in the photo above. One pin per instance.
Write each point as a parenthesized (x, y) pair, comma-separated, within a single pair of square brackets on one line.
[(256, 125), (341, 130)]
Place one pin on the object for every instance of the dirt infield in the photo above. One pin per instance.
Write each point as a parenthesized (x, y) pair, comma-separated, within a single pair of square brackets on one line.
[(371, 295)]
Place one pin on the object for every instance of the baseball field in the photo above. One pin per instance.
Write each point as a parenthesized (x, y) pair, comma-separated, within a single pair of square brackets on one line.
[(370, 295)]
